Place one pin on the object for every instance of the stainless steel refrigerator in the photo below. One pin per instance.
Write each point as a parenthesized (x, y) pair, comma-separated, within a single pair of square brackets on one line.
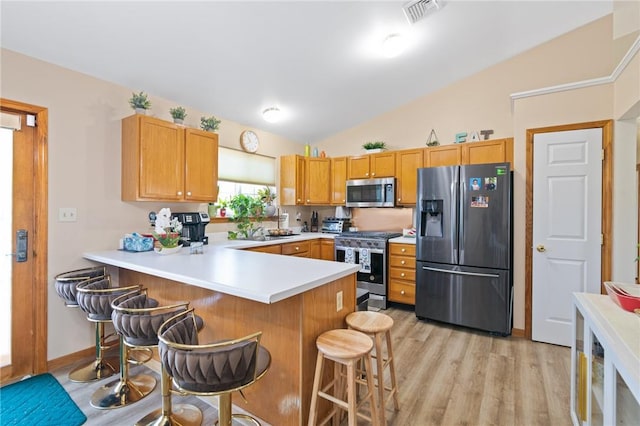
[(464, 248)]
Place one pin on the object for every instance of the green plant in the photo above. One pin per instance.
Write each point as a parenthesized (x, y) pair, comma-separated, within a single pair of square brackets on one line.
[(209, 124), (178, 113), (247, 211), (375, 145), (266, 196), (139, 100)]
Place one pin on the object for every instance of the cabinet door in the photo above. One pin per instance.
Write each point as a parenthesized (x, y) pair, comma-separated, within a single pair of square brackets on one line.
[(358, 167), (338, 181), (327, 249), (318, 181), (274, 249), (315, 247), (161, 164), (407, 164), (291, 180), (492, 151), (447, 155), (382, 165), (201, 165)]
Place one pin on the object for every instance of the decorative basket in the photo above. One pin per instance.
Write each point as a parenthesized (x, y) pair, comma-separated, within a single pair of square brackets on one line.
[(621, 295)]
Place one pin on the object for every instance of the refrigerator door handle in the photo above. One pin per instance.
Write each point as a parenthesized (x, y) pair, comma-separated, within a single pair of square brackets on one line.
[(473, 274), (455, 223)]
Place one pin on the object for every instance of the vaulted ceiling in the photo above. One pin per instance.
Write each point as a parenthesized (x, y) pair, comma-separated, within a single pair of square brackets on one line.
[(318, 61)]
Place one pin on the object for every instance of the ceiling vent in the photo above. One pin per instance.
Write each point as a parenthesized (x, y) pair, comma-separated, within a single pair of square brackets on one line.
[(415, 10)]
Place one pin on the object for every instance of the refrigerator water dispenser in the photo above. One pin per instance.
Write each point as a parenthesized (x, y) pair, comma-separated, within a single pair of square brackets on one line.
[(431, 218)]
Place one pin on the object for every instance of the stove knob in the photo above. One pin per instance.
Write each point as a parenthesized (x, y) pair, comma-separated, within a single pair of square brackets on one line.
[(372, 277)]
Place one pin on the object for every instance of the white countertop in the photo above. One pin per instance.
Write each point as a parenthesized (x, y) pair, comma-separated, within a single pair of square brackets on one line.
[(263, 277), (403, 240)]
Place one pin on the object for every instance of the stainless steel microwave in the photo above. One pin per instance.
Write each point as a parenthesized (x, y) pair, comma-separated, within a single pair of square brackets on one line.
[(371, 192)]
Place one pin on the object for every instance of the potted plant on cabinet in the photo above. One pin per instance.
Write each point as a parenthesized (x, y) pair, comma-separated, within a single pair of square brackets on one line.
[(375, 146), (139, 102), (267, 197), (209, 124), (178, 114), (247, 212)]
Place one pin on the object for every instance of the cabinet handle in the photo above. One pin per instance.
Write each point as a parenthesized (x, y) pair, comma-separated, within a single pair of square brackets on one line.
[(179, 192), (308, 200), (402, 274), (366, 174), (402, 292), (402, 262), (373, 174), (189, 193), (344, 201), (297, 248), (399, 200), (403, 250)]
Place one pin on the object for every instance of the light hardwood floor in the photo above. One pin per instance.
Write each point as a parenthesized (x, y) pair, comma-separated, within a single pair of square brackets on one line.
[(446, 376)]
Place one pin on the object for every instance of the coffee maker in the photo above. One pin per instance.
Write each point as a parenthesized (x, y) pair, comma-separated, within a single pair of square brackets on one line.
[(193, 227)]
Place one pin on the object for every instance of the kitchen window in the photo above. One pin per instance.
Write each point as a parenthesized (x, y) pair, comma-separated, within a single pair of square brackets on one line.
[(243, 173)]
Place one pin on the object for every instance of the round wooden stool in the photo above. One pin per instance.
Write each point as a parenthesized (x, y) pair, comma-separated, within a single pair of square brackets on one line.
[(345, 348), (377, 324)]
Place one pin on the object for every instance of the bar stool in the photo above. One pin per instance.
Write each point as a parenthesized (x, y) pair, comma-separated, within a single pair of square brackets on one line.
[(137, 318), (65, 283), (210, 369), (94, 297), (345, 348), (377, 324)]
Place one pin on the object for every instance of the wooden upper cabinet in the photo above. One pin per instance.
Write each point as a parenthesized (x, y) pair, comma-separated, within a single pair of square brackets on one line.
[(491, 151), (201, 151), (292, 174), (164, 162), (317, 181), (372, 166), (445, 155), (339, 181), (407, 164)]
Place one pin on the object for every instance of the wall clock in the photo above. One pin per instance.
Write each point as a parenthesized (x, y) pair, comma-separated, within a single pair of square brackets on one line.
[(249, 141)]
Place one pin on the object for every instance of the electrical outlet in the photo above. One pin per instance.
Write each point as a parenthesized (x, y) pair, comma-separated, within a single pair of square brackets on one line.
[(67, 214), (339, 301)]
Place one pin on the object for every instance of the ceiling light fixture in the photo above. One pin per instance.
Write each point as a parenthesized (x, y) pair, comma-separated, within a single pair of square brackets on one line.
[(272, 115), (393, 45)]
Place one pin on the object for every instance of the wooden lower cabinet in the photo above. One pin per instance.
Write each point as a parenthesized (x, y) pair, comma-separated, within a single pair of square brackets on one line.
[(402, 273), (274, 249), (327, 251), (301, 248)]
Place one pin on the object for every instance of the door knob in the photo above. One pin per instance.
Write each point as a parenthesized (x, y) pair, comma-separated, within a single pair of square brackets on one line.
[(541, 248)]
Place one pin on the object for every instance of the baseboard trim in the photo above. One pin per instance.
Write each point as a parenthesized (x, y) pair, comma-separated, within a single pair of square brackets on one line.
[(69, 359), (517, 332)]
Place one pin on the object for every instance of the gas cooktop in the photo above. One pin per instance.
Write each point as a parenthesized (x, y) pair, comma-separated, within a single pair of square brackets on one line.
[(377, 235)]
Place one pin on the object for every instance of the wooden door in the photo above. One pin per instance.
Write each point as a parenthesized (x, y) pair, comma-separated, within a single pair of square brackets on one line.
[(25, 208), (382, 165), (407, 164), (447, 155), (318, 181), (567, 192), (301, 172), (161, 160), (492, 151), (201, 166), (358, 167), (338, 181)]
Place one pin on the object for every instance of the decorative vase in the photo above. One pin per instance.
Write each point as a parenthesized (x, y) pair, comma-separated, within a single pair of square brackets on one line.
[(212, 210), (167, 250), (141, 111), (223, 212), (373, 151), (178, 120), (270, 210)]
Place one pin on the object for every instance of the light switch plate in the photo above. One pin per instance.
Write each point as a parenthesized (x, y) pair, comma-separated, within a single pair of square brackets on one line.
[(67, 214)]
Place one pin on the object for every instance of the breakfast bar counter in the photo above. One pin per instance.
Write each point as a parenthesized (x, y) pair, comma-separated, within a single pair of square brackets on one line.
[(291, 300)]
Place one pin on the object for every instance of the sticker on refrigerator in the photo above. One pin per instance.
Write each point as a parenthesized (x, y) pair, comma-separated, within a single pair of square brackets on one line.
[(490, 183), (481, 201), (474, 184)]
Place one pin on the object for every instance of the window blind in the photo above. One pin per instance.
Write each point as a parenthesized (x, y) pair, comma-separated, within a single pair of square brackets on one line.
[(9, 121), (242, 167)]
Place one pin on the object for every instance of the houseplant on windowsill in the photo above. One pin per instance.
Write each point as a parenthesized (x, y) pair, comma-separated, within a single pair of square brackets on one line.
[(139, 102), (267, 197), (248, 211), (167, 233), (375, 146), (178, 114)]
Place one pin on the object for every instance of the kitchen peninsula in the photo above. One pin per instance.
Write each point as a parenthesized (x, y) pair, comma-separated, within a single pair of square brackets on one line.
[(291, 300)]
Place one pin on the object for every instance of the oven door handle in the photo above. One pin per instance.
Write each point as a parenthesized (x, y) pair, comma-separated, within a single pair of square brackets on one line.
[(473, 274)]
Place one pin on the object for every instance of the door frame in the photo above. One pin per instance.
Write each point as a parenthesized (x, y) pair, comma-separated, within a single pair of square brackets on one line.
[(607, 207), (36, 339)]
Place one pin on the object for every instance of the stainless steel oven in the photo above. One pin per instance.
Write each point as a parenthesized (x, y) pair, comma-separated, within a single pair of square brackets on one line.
[(369, 250)]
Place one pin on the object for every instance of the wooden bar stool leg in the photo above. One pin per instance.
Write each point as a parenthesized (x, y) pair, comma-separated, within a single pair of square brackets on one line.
[(375, 420), (392, 371), (351, 393), (380, 373), (313, 412), (338, 391)]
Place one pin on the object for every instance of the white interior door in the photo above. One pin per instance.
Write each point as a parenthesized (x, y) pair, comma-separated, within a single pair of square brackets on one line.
[(567, 203)]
